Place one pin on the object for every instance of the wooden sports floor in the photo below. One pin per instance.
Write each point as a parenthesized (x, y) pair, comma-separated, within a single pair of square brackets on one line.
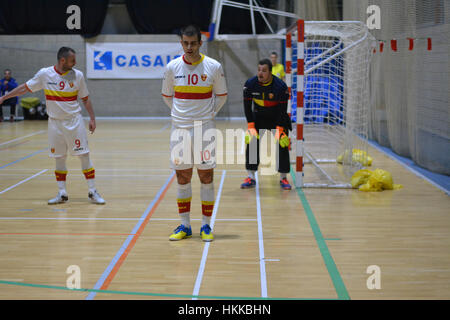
[(301, 244)]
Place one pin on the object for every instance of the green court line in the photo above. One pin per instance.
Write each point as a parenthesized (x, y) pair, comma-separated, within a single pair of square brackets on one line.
[(339, 285), (332, 239), (42, 286)]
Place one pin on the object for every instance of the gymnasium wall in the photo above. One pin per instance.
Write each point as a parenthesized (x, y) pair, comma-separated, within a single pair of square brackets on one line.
[(26, 54), (410, 107)]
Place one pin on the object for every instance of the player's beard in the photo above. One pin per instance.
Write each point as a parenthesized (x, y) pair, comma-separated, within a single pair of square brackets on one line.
[(194, 55), (66, 68)]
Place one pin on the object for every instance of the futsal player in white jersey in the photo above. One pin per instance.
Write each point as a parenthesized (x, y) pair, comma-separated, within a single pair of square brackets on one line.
[(63, 85), (194, 88)]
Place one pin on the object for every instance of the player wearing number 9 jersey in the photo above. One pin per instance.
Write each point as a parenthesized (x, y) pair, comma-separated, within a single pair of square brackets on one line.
[(63, 85), (194, 88)]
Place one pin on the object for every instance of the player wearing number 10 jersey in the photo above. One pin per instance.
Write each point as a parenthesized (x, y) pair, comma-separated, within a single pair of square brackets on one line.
[(194, 88), (63, 85)]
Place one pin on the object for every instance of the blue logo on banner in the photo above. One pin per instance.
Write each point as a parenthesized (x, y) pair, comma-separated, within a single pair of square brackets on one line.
[(102, 60)]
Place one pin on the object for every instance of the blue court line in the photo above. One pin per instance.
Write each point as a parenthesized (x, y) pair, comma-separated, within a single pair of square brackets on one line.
[(124, 246), (21, 159)]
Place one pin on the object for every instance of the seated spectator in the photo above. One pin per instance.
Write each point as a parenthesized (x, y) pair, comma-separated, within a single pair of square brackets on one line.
[(7, 84)]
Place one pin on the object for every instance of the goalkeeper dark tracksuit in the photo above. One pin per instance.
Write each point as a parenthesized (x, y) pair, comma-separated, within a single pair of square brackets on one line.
[(270, 110)]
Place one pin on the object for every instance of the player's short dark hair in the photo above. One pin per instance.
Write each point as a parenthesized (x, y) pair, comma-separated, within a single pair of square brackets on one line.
[(6, 70), (191, 30), (274, 52), (63, 52), (266, 61)]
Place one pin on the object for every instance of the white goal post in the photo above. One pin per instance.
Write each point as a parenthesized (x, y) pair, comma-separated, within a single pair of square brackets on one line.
[(327, 72)]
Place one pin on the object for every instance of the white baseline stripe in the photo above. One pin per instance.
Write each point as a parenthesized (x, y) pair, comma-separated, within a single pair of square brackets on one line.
[(262, 263), (25, 180), (17, 139), (112, 219), (198, 281)]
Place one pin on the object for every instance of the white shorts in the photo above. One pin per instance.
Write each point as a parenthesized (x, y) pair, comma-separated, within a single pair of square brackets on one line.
[(195, 146), (67, 134)]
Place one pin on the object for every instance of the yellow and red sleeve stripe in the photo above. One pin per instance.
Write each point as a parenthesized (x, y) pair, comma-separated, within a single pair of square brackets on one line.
[(89, 173), (184, 205), (266, 103), (60, 175), (60, 95), (207, 208), (193, 92)]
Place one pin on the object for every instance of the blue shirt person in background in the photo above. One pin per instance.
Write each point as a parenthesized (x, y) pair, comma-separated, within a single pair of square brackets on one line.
[(7, 84)]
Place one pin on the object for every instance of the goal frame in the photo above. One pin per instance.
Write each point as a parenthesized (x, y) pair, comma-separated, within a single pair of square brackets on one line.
[(302, 157)]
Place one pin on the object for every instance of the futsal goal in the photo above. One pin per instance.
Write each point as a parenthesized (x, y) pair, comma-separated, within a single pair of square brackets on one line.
[(327, 72)]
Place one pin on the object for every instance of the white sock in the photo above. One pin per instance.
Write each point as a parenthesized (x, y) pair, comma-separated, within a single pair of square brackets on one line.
[(206, 220), (251, 174), (62, 186), (185, 219), (207, 197), (184, 196), (283, 176)]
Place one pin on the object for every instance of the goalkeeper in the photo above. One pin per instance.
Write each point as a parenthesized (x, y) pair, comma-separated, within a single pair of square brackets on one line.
[(269, 96)]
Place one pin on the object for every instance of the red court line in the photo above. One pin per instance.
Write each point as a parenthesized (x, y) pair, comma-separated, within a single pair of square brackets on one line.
[(133, 241)]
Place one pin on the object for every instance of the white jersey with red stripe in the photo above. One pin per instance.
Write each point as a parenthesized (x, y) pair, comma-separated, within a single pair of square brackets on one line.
[(61, 91), (192, 87)]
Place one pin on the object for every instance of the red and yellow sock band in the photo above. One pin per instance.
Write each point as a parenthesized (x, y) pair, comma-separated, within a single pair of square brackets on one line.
[(60, 175), (184, 205), (207, 208), (89, 173)]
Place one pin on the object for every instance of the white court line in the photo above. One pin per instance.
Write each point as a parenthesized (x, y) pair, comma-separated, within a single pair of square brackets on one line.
[(201, 269), (262, 263), (111, 219), (97, 175), (25, 180), (17, 139), (100, 169)]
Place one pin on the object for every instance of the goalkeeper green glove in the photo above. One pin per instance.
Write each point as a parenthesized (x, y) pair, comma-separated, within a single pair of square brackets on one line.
[(251, 132), (282, 138)]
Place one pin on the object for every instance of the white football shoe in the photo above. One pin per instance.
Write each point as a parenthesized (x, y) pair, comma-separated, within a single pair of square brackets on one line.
[(95, 197), (60, 198)]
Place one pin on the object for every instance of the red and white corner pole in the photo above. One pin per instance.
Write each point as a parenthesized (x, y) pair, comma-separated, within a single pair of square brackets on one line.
[(289, 70), (300, 111)]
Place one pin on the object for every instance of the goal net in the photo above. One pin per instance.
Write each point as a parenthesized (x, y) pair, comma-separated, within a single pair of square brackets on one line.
[(327, 71)]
